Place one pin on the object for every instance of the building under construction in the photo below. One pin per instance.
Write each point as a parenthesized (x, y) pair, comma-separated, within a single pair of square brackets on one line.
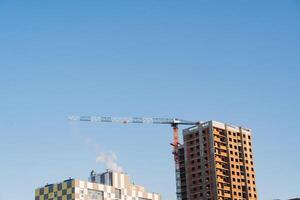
[(216, 163)]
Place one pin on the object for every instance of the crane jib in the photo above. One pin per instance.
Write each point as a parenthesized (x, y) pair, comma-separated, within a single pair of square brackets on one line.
[(140, 120)]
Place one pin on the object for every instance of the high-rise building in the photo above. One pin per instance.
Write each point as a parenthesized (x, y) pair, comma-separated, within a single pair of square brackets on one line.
[(216, 163), (106, 186)]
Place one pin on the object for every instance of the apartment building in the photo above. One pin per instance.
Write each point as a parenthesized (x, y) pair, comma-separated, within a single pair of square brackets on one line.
[(216, 163), (105, 186)]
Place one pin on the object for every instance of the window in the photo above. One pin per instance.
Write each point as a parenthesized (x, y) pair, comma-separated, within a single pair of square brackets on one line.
[(42, 191), (64, 192), (69, 183), (50, 188), (69, 197), (95, 195)]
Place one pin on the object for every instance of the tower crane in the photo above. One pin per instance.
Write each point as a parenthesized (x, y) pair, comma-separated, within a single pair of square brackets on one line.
[(174, 122)]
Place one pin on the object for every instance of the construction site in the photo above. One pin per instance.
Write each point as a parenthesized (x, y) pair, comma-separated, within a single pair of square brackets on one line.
[(214, 161)]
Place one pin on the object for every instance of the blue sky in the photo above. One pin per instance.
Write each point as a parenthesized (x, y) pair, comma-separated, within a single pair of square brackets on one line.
[(232, 61)]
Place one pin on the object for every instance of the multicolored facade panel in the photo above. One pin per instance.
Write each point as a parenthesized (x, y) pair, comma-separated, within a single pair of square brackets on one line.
[(59, 191)]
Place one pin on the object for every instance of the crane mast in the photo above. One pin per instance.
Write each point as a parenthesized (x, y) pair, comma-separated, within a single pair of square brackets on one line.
[(174, 122)]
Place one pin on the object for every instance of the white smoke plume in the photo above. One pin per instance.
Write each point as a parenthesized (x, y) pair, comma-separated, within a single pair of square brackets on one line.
[(108, 159)]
